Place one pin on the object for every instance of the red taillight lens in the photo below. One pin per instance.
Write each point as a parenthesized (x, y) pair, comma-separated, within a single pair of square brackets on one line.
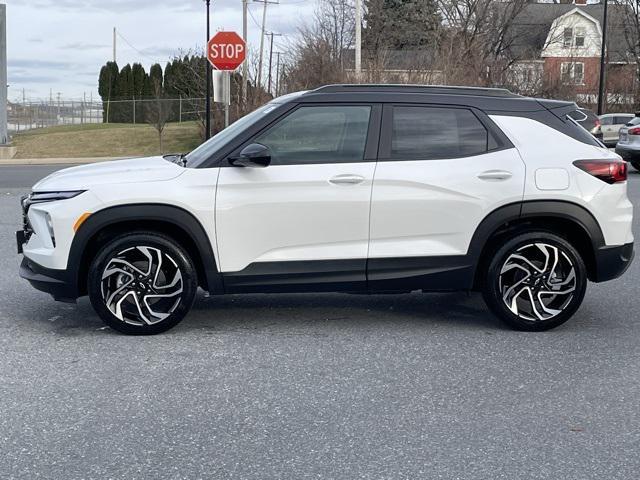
[(634, 131), (610, 171)]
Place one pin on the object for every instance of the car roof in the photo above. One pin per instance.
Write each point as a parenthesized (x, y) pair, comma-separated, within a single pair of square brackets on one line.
[(416, 88), (489, 100)]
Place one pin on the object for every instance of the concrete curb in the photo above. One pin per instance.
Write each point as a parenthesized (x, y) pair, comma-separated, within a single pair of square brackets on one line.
[(57, 161)]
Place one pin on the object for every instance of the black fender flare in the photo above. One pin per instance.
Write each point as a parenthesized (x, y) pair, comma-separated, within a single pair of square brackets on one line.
[(533, 209), (159, 212)]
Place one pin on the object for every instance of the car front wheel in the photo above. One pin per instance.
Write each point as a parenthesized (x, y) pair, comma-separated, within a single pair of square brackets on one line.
[(535, 281), (142, 283)]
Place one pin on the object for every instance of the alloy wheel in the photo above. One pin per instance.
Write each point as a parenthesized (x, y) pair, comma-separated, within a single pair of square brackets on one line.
[(537, 282), (142, 285)]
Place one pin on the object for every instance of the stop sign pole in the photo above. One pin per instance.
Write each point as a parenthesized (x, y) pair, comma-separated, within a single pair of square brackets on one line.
[(207, 102), (226, 51)]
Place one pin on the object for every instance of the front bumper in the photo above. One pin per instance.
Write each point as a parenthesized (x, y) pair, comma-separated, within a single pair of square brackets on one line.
[(612, 262), (55, 282)]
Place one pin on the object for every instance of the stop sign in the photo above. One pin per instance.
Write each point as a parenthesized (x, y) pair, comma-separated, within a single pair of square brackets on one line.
[(226, 50)]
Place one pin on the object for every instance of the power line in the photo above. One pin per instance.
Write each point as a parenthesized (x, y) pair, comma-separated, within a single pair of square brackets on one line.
[(136, 49), (254, 19)]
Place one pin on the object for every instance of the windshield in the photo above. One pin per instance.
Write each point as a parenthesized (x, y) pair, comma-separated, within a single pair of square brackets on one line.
[(208, 148)]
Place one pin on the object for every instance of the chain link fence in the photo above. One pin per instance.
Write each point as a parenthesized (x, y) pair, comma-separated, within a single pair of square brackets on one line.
[(28, 115)]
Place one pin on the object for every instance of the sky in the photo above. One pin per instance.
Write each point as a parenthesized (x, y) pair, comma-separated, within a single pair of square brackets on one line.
[(60, 45)]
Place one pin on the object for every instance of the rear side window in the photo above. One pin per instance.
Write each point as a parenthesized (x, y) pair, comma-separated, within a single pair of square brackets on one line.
[(427, 133), (621, 120)]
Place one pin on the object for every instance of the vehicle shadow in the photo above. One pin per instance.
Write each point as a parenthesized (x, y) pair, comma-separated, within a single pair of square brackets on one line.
[(314, 311), (312, 314)]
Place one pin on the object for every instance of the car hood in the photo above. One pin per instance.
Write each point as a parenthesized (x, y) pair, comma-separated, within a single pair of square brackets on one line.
[(136, 170)]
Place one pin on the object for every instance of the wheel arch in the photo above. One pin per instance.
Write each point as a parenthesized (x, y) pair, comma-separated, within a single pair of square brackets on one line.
[(567, 219), (169, 220)]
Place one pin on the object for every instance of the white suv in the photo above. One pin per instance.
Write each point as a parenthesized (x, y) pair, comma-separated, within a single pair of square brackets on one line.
[(347, 188)]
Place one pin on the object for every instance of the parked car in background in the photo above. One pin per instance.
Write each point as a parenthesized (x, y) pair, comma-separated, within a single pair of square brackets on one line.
[(589, 121), (610, 124), (628, 146)]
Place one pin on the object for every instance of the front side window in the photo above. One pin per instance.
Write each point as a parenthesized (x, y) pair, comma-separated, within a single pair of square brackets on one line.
[(319, 134), (427, 133)]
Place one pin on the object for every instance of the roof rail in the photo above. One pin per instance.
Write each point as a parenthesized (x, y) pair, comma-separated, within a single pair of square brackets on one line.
[(400, 88)]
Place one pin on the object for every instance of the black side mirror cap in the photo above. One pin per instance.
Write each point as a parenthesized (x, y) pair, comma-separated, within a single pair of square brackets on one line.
[(254, 155)]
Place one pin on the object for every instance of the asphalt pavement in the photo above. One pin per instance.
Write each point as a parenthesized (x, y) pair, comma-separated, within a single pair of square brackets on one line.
[(316, 386)]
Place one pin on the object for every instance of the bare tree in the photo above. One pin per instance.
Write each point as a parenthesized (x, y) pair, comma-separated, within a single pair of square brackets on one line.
[(630, 23), (158, 111), (317, 56)]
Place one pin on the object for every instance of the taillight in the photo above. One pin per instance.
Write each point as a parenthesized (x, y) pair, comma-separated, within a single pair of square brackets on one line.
[(610, 171), (634, 131)]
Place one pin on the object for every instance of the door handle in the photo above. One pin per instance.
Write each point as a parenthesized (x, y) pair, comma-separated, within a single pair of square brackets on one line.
[(346, 179), (495, 175)]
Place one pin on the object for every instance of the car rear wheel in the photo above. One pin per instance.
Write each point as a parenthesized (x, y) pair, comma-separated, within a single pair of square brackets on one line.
[(142, 283), (535, 281)]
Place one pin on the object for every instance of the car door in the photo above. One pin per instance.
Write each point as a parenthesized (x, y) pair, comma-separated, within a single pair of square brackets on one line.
[(303, 221), (440, 172)]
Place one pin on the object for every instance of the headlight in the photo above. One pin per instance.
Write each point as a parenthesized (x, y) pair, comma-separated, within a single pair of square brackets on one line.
[(41, 197)]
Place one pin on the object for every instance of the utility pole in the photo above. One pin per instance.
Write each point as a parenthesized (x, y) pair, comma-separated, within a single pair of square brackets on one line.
[(278, 74), (603, 63), (207, 133), (271, 58), (58, 116), (4, 130), (114, 45), (358, 38), (245, 6), (262, 34)]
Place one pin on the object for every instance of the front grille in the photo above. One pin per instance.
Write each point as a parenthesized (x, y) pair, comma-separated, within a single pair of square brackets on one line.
[(26, 226)]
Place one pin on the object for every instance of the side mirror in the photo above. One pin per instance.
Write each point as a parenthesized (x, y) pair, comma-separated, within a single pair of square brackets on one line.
[(255, 155)]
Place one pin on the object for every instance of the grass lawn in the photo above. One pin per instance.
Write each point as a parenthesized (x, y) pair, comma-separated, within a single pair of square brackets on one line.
[(105, 140)]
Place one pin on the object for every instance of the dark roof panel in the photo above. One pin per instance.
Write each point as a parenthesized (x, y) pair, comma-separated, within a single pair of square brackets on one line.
[(432, 89)]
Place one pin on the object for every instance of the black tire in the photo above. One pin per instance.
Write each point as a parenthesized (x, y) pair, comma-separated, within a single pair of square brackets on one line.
[(169, 288), (636, 165), (506, 270)]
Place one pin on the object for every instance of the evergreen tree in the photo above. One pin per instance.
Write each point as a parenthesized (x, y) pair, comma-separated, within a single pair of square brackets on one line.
[(123, 113), (107, 87), (139, 76)]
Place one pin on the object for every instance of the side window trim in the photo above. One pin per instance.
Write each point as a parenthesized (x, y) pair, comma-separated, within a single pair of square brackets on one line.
[(500, 140), (371, 143)]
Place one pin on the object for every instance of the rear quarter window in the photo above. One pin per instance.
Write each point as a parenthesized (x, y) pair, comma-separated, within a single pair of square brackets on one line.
[(578, 131)]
